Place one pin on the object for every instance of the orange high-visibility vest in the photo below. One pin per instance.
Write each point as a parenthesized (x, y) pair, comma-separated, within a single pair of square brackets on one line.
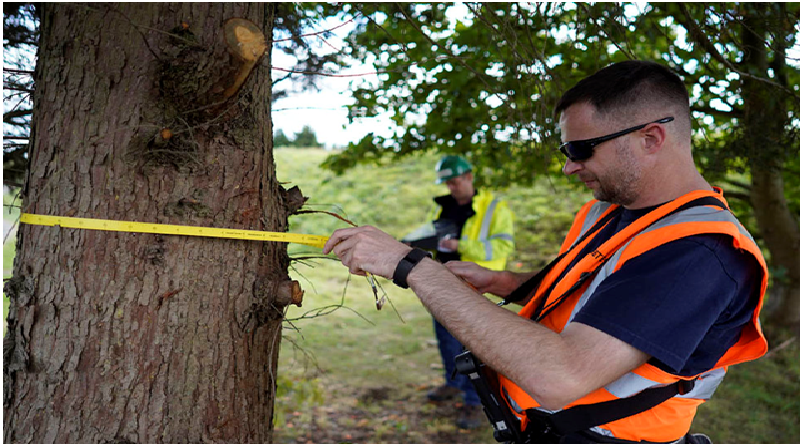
[(669, 420)]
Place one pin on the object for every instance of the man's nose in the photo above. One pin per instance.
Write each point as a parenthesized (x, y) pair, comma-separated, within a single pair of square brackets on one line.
[(571, 167)]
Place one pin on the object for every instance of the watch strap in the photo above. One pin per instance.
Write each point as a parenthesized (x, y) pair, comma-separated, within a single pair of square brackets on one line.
[(406, 264)]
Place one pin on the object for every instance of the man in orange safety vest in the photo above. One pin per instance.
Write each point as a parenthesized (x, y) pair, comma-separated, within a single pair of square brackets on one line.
[(657, 288)]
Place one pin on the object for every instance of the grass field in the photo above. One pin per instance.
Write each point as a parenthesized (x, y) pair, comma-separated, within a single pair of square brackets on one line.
[(349, 373), (10, 214)]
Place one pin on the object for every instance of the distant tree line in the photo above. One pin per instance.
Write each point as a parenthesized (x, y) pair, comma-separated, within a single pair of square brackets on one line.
[(306, 138)]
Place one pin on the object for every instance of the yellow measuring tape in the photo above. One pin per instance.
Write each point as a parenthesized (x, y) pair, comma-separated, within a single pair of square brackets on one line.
[(167, 229)]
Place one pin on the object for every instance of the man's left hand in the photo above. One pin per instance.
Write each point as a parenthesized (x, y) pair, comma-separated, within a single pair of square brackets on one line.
[(448, 245), (367, 249)]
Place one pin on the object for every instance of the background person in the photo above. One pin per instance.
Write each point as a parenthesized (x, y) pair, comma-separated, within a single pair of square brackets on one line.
[(657, 285), (475, 226)]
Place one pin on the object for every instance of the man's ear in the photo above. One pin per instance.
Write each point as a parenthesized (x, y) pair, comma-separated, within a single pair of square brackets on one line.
[(655, 136)]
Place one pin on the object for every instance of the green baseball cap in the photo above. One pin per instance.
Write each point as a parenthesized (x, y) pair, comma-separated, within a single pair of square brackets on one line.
[(451, 166)]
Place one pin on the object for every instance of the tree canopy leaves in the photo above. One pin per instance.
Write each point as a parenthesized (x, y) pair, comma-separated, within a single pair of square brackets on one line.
[(483, 81), (306, 138), (20, 38)]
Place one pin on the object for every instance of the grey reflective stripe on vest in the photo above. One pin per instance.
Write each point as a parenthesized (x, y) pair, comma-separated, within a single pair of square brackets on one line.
[(632, 383), (592, 216), (487, 220), (485, 226), (692, 214), (503, 236)]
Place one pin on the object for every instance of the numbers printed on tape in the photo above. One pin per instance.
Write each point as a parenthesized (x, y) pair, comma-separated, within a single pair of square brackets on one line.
[(168, 229)]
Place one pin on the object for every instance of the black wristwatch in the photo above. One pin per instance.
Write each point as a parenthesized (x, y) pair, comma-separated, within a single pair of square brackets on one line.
[(406, 264)]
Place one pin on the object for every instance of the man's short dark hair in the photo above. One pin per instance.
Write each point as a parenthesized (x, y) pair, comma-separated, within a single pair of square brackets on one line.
[(627, 84)]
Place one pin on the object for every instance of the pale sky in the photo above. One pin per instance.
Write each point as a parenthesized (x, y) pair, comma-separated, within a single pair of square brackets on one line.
[(325, 110)]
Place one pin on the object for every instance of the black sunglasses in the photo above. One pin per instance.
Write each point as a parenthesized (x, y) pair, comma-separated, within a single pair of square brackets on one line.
[(583, 149)]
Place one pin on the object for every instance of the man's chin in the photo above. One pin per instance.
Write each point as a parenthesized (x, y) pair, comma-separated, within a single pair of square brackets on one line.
[(601, 195)]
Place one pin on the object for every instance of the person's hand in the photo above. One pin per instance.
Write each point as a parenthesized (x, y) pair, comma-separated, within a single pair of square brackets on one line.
[(448, 245), (481, 278), (366, 249)]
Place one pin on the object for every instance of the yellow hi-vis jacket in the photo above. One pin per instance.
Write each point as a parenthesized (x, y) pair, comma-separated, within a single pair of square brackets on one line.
[(671, 419), (487, 238)]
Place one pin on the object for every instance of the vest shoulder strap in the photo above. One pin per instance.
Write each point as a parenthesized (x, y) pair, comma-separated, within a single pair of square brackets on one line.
[(584, 417), (531, 285)]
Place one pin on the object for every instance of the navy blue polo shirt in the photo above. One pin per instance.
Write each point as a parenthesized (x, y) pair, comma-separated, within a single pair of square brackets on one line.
[(684, 303)]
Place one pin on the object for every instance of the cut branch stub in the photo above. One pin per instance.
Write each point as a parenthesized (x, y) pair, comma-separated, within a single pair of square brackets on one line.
[(247, 43), (293, 198), (289, 292)]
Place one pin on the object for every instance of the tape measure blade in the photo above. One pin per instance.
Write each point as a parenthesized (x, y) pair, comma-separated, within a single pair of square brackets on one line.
[(168, 229), (313, 241)]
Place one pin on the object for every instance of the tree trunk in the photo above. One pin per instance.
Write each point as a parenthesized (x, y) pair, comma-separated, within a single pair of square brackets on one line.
[(782, 236), (125, 337), (765, 122)]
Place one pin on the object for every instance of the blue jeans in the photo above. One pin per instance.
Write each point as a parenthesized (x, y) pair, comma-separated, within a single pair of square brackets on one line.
[(449, 348)]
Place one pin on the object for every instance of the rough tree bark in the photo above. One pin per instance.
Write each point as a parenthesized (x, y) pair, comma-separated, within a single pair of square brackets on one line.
[(123, 337), (765, 121)]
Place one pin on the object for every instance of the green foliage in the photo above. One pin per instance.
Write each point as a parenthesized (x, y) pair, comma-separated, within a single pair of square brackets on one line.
[(10, 216), (483, 84), (11, 206), (292, 36), (20, 38), (306, 138), (458, 87), (281, 140)]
